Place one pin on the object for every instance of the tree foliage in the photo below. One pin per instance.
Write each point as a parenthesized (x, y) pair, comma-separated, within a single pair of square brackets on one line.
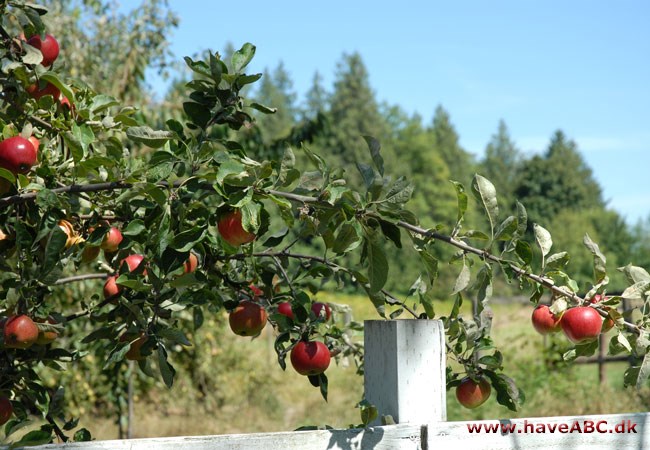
[(306, 228)]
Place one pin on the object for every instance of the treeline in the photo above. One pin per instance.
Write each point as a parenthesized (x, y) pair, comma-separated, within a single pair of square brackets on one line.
[(556, 187)]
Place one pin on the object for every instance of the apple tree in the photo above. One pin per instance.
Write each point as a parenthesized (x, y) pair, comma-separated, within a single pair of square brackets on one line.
[(164, 227)]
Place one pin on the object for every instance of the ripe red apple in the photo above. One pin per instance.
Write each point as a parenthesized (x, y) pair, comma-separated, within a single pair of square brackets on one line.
[(17, 155), (49, 89), (49, 47), (65, 103), (284, 308), (248, 318), (46, 337), (112, 240), (6, 410), (472, 394), (322, 310), (581, 324), (257, 292), (544, 321), (232, 231), (310, 357), (191, 264), (110, 287), (20, 332), (133, 261), (134, 354)]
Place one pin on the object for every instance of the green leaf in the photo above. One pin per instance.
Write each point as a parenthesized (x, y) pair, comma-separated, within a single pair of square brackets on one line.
[(174, 335), (82, 435), (600, 266), (347, 239), (166, 369), (55, 244), (53, 78), (430, 264), (199, 114), (635, 274), (199, 67), (134, 228), (543, 239), (33, 438), (32, 54), (557, 260), (149, 137), (250, 214), (377, 264), (101, 102), (461, 197), (263, 109), (462, 281), (375, 147), (522, 219), (524, 252), (508, 394), (486, 195), (186, 240), (392, 232), (242, 57), (506, 230)]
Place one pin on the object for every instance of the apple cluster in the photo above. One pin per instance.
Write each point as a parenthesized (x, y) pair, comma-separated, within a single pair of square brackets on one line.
[(580, 324)]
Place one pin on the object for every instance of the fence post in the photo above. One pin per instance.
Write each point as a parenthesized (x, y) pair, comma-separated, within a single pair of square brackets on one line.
[(405, 369)]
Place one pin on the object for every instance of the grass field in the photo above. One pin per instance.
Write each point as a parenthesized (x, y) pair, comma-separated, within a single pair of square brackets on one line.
[(261, 397)]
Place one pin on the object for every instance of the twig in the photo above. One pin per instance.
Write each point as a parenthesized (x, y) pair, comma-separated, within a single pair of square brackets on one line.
[(87, 276), (57, 430)]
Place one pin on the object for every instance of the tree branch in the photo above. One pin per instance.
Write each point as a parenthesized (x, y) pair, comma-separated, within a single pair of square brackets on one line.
[(79, 188), (75, 278)]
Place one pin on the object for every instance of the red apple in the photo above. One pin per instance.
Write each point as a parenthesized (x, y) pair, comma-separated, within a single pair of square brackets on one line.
[(544, 321), (49, 89), (232, 231), (284, 308), (112, 240), (472, 394), (17, 155), (310, 357), (247, 319), (134, 354), (20, 332), (111, 288), (322, 310), (257, 292), (46, 337), (133, 262), (49, 47), (6, 410), (581, 324), (191, 264)]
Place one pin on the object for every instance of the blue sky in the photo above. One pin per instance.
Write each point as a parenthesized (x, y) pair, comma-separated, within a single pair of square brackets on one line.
[(580, 66)]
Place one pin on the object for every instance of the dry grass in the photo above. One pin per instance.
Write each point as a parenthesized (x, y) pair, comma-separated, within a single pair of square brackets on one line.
[(283, 401)]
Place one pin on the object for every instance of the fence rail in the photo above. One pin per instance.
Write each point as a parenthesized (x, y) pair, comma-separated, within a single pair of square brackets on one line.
[(405, 378)]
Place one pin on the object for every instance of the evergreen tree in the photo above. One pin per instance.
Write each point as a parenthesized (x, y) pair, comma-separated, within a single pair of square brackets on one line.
[(560, 179), (315, 98), (501, 164), (276, 90), (445, 140), (353, 113)]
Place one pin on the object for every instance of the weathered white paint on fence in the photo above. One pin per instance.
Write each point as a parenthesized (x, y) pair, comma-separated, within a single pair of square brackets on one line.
[(394, 437), (405, 377), (404, 369)]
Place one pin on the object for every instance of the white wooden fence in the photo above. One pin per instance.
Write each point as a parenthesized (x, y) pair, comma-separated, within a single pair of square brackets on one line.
[(405, 378)]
